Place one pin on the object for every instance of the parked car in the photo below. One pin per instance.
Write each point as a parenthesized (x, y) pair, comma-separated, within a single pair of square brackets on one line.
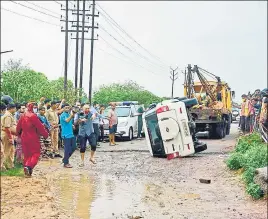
[(127, 120), (235, 114)]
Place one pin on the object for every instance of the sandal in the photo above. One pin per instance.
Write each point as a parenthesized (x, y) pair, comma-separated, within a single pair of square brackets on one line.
[(68, 166), (93, 161)]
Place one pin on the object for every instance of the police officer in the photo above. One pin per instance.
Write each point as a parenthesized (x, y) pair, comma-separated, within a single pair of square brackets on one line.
[(8, 126)]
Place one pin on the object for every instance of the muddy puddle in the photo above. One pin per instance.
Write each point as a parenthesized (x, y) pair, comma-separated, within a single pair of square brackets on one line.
[(85, 195)]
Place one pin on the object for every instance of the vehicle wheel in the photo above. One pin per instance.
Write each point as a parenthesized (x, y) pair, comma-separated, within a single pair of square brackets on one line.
[(218, 131), (228, 128), (130, 134)]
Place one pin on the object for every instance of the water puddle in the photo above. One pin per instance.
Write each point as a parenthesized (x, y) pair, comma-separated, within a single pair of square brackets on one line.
[(85, 196)]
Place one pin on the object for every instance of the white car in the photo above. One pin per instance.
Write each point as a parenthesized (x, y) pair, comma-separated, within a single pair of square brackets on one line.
[(127, 121)]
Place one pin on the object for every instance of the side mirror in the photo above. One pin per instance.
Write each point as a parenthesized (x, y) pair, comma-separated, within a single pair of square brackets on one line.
[(233, 94)]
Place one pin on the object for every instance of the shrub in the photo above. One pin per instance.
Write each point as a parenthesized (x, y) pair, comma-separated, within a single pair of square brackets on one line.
[(254, 190), (235, 161)]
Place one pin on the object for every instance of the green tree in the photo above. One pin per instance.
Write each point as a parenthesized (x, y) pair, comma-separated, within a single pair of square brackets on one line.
[(129, 90)]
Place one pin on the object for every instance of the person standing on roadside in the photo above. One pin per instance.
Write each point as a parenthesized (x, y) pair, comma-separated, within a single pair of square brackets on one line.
[(3, 108), (112, 117), (53, 119), (245, 114), (66, 121), (46, 148), (96, 122), (140, 123), (102, 108), (86, 133), (20, 110), (8, 126), (29, 129)]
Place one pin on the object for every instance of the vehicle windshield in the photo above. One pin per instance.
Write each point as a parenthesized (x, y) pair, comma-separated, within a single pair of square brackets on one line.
[(120, 111)]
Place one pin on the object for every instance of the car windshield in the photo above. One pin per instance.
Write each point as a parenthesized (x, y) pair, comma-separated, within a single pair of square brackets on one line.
[(120, 111)]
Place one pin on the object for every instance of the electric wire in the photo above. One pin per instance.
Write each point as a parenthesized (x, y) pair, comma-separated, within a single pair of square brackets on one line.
[(33, 9), (119, 27), (126, 56), (42, 7), (129, 49), (30, 17)]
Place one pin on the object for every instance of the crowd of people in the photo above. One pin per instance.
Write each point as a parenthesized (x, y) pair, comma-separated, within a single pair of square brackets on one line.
[(253, 112), (36, 130)]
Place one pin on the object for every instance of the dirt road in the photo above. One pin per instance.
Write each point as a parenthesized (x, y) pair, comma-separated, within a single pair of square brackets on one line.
[(128, 183)]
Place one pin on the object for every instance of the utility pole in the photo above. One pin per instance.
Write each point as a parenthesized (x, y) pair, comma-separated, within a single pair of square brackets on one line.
[(91, 53), (66, 50), (76, 49), (173, 77)]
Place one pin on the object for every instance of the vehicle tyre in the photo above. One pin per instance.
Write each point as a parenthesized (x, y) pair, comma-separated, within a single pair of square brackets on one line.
[(228, 128), (130, 134), (219, 131)]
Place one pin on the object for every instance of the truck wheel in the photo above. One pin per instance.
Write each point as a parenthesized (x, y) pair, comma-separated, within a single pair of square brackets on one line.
[(130, 134), (219, 131), (228, 128)]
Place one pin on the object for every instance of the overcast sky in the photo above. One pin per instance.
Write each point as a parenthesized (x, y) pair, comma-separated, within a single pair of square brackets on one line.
[(228, 39)]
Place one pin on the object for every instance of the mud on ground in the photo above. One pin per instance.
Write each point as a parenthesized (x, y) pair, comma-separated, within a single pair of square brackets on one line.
[(127, 184)]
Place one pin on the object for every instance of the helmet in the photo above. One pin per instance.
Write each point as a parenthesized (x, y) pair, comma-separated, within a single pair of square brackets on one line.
[(6, 99)]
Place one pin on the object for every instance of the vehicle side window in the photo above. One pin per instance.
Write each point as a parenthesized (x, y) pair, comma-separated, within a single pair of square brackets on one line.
[(133, 111)]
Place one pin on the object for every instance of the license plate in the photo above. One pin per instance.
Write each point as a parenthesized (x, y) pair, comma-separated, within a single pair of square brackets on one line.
[(185, 128)]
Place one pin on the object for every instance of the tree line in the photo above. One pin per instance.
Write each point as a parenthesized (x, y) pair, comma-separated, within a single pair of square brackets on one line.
[(24, 84)]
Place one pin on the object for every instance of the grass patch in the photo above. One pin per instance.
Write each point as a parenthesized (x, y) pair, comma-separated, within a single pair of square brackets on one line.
[(250, 153), (16, 171)]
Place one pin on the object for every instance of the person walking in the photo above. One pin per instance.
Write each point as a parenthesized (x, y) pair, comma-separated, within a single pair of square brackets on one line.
[(53, 119), (8, 126), (66, 122), (29, 128), (112, 117), (86, 133)]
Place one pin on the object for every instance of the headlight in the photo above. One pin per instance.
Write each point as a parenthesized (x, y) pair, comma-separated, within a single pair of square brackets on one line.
[(122, 124), (235, 113)]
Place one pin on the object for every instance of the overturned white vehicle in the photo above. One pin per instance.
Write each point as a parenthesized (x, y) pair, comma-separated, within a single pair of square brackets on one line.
[(169, 129)]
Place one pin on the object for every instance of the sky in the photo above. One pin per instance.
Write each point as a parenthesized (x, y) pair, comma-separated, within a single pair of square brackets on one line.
[(229, 39)]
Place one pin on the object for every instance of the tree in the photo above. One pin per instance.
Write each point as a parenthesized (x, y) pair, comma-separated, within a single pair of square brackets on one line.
[(15, 65), (129, 90)]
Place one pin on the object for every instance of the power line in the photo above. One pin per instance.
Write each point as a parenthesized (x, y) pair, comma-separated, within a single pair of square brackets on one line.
[(119, 27), (129, 48), (42, 7), (126, 56), (30, 17), (34, 9)]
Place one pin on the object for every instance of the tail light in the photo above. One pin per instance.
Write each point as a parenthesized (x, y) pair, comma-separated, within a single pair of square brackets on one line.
[(162, 109), (173, 155), (188, 145)]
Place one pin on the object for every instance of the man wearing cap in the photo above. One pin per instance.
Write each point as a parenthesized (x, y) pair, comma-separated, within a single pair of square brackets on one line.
[(53, 119), (8, 127)]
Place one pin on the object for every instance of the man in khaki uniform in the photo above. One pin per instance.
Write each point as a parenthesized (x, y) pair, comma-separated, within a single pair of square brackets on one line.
[(8, 130), (3, 110), (53, 119)]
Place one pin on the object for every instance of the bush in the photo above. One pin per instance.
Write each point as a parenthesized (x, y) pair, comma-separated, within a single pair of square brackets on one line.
[(250, 153), (254, 190), (235, 161)]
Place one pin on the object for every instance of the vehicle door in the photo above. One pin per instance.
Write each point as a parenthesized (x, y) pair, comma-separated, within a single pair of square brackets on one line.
[(134, 119)]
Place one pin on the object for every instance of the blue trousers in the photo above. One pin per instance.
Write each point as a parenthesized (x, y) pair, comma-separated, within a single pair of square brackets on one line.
[(69, 148)]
